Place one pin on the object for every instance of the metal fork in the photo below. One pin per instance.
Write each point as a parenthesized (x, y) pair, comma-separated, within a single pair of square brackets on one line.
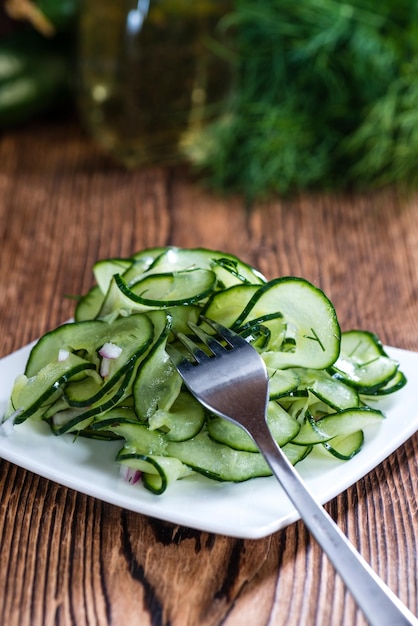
[(229, 378)]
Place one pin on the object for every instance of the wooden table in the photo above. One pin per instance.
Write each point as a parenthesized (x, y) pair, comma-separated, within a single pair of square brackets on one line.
[(69, 559)]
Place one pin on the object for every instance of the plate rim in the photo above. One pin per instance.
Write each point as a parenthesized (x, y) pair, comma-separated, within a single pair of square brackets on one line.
[(240, 523)]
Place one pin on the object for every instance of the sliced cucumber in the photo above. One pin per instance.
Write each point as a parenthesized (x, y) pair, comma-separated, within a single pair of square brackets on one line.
[(338, 424), (282, 382), (48, 347), (283, 427), (139, 439), (148, 256), (394, 384), (334, 393), (75, 419), (157, 291), (109, 376), (32, 395), (107, 422), (182, 421), (218, 461), (363, 363), (296, 453), (157, 383), (229, 269), (181, 316), (221, 462), (312, 336), (345, 447), (88, 307), (105, 270), (158, 472), (171, 289), (226, 306), (132, 334)]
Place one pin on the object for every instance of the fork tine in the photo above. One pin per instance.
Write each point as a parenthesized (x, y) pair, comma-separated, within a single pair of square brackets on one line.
[(176, 355), (210, 342), (197, 353), (233, 339)]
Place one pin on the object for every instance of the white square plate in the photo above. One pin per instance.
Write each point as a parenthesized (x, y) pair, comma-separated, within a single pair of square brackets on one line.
[(252, 509)]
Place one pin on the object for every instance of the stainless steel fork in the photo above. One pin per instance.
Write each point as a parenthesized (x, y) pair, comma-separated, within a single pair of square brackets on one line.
[(229, 378)]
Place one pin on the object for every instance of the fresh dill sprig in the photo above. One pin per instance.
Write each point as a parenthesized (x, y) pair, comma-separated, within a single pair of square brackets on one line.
[(326, 96)]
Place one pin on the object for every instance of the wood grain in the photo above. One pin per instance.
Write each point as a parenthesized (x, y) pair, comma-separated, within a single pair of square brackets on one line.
[(67, 559)]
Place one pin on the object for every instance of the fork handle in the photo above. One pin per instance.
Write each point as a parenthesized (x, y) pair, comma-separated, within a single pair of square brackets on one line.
[(379, 604)]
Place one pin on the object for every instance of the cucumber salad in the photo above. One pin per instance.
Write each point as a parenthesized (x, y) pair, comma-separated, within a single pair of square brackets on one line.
[(107, 374)]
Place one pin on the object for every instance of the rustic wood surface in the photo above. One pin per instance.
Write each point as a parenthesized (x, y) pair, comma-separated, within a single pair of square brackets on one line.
[(68, 559)]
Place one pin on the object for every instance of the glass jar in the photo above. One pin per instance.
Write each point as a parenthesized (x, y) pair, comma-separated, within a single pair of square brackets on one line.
[(151, 74)]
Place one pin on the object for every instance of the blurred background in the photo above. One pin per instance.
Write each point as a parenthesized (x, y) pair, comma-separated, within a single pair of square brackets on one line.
[(258, 97)]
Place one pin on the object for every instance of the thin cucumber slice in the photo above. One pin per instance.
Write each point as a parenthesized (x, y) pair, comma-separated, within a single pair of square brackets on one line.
[(221, 462), (229, 269), (312, 330), (394, 384), (133, 333), (345, 448), (181, 316), (142, 261), (157, 291), (139, 439), (158, 472), (88, 307), (218, 461), (105, 270), (282, 382), (130, 268), (75, 419), (132, 336), (283, 427), (136, 271), (183, 421), (363, 363), (296, 453), (332, 392), (338, 424), (62, 338), (266, 333), (32, 395), (79, 394), (172, 288), (60, 404), (113, 417), (110, 420), (226, 306), (71, 420), (147, 256), (157, 383)]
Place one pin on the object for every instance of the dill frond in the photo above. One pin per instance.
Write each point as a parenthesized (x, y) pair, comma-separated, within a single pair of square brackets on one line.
[(326, 95)]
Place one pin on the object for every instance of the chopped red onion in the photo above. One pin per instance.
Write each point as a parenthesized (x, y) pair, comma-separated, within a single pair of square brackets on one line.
[(108, 352), (129, 474)]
